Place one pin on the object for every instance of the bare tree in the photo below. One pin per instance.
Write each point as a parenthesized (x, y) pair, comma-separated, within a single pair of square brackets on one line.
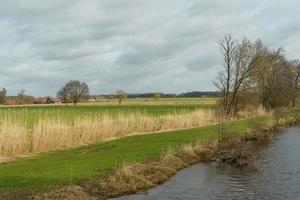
[(262, 76), (254, 74), (272, 78), (121, 94), (224, 80), (21, 95), (62, 95), (239, 59), (73, 91)]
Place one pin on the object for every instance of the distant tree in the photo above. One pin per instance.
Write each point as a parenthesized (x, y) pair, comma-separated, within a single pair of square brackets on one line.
[(3, 96), (157, 95), (62, 95), (121, 94), (21, 98), (21, 95), (73, 91)]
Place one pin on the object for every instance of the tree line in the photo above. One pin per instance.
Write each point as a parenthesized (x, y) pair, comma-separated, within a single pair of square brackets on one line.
[(255, 74), (74, 91)]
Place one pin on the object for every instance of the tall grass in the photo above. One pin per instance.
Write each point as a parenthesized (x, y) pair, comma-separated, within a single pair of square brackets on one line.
[(31, 131)]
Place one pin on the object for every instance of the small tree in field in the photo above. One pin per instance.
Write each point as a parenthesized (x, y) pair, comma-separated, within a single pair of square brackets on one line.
[(121, 94), (157, 95), (73, 91)]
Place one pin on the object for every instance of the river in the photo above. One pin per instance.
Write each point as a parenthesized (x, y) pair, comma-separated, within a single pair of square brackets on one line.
[(277, 177)]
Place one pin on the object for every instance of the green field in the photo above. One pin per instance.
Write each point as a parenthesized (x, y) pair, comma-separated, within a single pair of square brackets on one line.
[(160, 101), (94, 161), (83, 109), (31, 114)]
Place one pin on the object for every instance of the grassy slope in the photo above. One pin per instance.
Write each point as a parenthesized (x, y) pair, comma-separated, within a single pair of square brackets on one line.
[(81, 163)]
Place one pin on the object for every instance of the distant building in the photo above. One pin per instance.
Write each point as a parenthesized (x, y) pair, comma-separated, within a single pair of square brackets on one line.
[(46, 100)]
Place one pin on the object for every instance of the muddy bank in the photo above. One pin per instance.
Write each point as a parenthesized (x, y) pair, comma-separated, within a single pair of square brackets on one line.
[(132, 178)]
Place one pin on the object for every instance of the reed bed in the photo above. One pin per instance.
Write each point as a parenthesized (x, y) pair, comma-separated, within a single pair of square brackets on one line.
[(28, 132)]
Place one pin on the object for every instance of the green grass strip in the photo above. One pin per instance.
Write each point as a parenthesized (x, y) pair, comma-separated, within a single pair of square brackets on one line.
[(85, 162)]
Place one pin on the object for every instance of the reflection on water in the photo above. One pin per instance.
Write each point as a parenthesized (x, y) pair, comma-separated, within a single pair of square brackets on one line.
[(278, 177)]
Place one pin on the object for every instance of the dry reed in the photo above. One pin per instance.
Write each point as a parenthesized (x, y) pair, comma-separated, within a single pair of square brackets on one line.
[(55, 132)]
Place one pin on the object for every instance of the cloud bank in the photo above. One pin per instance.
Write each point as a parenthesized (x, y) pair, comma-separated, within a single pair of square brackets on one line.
[(135, 45)]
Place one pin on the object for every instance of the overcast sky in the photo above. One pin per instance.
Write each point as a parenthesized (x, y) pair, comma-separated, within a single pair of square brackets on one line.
[(135, 45)]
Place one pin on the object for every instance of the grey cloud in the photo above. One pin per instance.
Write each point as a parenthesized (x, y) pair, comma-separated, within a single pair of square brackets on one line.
[(137, 45)]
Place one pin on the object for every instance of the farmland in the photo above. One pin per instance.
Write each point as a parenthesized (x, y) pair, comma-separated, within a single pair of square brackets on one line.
[(32, 129)]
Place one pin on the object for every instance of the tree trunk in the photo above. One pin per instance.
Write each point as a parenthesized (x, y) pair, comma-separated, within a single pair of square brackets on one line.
[(293, 102)]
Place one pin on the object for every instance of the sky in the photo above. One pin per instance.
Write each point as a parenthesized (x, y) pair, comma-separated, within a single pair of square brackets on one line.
[(134, 45)]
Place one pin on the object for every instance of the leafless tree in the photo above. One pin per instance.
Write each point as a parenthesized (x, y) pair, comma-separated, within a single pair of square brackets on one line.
[(224, 80), (21, 95), (73, 91), (121, 94), (254, 74), (264, 75), (239, 59), (273, 78)]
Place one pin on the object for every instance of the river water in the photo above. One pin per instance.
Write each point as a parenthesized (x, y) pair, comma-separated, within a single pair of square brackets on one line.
[(277, 177)]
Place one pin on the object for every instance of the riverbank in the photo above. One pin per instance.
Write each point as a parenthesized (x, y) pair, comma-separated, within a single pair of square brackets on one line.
[(275, 174), (86, 169)]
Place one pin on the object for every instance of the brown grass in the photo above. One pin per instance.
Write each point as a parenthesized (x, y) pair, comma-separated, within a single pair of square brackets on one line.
[(56, 133), (253, 111)]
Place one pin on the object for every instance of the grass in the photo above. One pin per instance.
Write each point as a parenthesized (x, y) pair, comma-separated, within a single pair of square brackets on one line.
[(161, 101), (86, 162), (32, 129), (31, 114), (136, 103)]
